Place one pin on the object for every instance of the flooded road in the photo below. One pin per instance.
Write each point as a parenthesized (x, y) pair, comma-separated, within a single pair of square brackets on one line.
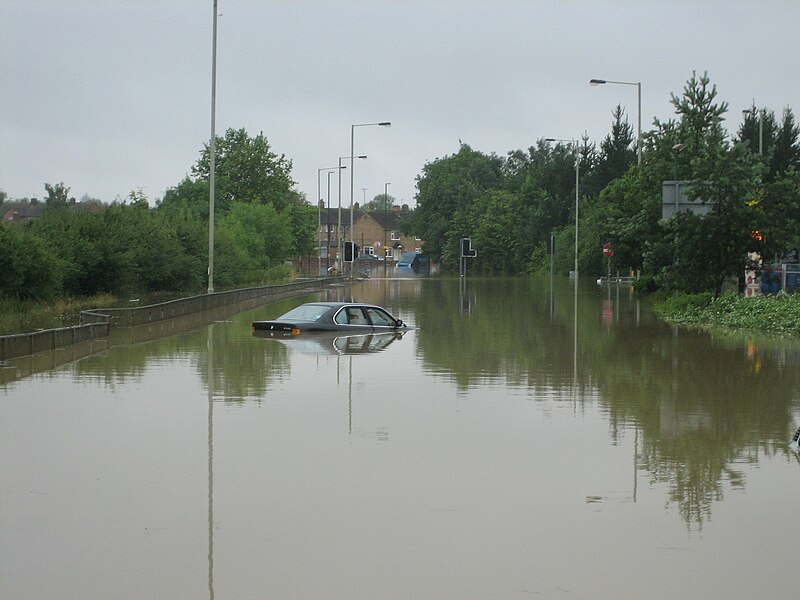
[(514, 443)]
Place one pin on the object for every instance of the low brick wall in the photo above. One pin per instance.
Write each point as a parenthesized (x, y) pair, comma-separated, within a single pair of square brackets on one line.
[(96, 323)]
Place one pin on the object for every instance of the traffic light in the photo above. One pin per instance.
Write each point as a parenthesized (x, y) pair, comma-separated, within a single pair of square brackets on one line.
[(349, 252)]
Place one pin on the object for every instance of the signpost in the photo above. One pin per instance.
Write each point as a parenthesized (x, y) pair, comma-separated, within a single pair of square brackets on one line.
[(467, 251), (608, 252)]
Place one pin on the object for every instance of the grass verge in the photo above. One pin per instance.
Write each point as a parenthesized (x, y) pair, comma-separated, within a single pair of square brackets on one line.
[(779, 314)]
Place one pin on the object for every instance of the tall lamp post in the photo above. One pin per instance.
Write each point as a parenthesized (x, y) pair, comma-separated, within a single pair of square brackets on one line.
[(352, 152), (319, 212), (328, 228), (577, 194), (211, 153), (638, 85), (385, 222), (339, 238)]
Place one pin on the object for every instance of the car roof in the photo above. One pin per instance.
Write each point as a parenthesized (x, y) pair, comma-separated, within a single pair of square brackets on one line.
[(340, 304)]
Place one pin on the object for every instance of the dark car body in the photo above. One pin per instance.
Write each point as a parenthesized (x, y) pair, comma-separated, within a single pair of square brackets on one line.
[(330, 316)]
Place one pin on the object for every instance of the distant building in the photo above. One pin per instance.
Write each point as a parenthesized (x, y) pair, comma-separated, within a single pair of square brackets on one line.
[(377, 232), (20, 212)]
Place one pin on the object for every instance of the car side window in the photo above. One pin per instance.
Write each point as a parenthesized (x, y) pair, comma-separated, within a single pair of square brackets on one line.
[(379, 318), (355, 316), (341, 317)]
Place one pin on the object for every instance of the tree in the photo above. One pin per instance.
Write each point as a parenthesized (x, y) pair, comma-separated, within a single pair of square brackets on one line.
[(496, 224), (617, 154), (57, 195), (251, 238), (380, 202), (692, 252), (246, 170), (31, 270), (189, 194), (445, 190)]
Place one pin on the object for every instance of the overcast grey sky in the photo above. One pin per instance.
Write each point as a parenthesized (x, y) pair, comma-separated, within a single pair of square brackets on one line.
[(111, 96)]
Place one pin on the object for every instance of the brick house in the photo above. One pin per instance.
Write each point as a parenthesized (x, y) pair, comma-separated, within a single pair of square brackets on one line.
[(20, 212), (377, 232)]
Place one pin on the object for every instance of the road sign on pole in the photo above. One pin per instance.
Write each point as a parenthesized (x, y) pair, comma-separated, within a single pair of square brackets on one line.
[(608, 251)]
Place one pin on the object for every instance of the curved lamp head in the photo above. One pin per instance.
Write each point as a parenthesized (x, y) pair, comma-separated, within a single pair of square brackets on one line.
[(597, 81)]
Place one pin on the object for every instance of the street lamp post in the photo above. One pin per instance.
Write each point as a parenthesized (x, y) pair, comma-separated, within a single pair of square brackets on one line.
[(352, 152), (319, 214), (211, 154), (638, 85), (339, 238), (328, 228), (385, 222), (577, 193), (749, 112)]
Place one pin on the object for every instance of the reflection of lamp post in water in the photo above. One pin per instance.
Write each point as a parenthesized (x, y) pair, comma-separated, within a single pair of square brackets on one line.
[(210, 385)]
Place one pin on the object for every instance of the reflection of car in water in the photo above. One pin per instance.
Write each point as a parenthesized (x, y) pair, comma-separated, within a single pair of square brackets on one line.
[(334, 343), (331, 316)]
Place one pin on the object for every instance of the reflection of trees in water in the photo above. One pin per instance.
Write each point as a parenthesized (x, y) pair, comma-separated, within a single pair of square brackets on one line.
[(702, 408), (703, 404), (243, 366), (494, 330)]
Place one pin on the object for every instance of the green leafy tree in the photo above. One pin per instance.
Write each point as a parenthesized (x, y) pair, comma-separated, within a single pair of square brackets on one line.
[(497, 225), (617, 154), (381, 202), (251, 239), (246, 170), (302, 219), (700, 253), (57, 195), (445, 191), (31, 270)]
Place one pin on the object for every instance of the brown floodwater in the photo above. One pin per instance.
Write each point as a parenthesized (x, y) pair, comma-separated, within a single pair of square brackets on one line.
[(521, 440)]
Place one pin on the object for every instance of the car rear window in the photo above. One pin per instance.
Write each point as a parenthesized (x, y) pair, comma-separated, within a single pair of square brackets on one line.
[(306, 312)]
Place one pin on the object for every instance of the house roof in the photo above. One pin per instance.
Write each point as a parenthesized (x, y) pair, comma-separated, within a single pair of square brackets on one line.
[(20, 211)]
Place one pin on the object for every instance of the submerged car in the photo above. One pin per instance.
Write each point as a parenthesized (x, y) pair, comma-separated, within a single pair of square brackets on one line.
[(330, 316)]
